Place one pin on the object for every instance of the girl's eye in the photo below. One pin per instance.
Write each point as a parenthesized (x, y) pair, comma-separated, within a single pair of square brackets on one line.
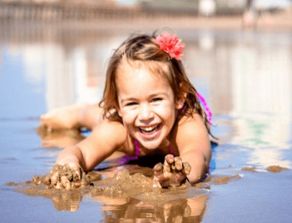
[(131, 104), (156, 99)]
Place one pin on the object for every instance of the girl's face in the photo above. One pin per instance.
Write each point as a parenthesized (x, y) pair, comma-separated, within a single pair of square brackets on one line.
[(146, 104)]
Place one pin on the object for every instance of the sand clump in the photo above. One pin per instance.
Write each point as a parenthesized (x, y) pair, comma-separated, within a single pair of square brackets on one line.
[(249, 169), (65, 177), (275, 169), (271, 168), (67, 194), (123, 185), (120, 188), (218, 180)]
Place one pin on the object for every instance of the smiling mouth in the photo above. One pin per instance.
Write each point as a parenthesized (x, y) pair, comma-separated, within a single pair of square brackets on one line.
[(149, 129)]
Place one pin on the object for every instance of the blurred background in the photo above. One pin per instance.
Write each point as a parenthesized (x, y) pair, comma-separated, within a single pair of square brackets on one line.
[(67, 43)]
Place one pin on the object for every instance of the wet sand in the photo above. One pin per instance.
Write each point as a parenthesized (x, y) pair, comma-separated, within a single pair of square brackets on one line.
[(126, 193), (247, 194)]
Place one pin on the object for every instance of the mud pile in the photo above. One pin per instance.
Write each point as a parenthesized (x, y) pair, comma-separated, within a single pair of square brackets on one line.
[(119, 184), (64, 177)]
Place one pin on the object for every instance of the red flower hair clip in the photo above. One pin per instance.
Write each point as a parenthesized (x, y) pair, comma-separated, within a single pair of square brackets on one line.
[(170, 44)]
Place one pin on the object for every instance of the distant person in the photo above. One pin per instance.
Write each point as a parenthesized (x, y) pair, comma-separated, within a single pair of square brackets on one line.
[(149, 107), (249, 18), (207, 7)]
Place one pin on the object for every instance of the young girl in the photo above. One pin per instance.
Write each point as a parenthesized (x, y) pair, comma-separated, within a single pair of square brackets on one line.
[(148, 107)]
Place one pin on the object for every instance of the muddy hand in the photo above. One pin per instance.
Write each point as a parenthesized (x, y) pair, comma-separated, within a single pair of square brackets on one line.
[(66, 177), (172, 173)]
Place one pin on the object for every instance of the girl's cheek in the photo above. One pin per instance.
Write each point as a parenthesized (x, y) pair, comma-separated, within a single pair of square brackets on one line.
[(128, 116), (164, 109)]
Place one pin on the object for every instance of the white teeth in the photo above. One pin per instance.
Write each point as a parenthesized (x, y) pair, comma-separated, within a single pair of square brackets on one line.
[(148, 129)]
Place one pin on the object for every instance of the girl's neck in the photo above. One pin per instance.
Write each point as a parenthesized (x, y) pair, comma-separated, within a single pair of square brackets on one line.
[(164, 148)]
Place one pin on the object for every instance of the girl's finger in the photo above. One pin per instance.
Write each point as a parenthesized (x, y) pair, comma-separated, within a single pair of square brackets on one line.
[(178, 163), (158, 169), (169, 158), (54, 178), (186, 168)]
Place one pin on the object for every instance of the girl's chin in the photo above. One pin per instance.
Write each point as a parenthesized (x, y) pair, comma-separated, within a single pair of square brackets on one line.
[(150, 144)]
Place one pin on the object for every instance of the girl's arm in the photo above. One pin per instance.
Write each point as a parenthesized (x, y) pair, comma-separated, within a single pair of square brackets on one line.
[(105, 138), (192, 139), (194, 146)]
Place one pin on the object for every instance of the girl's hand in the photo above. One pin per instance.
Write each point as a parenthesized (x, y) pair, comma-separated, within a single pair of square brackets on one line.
[(172, 173), (67, 176)]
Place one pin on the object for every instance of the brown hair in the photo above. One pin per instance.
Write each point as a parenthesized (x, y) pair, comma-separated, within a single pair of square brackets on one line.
[(144, 48)]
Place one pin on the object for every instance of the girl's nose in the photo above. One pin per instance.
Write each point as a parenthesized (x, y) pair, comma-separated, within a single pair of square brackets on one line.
[(145, 113)]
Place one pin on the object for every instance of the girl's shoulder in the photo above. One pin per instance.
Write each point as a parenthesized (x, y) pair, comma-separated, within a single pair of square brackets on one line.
[(194, 119), (192, 133), (114, 133), (110, 131), (190, 126)]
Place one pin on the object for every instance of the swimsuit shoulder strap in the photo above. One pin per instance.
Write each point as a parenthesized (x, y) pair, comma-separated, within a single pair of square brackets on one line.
[(171, 150), (137, 148)]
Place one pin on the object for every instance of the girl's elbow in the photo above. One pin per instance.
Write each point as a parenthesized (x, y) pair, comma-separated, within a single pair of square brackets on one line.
[(195, 179), (199, 175)]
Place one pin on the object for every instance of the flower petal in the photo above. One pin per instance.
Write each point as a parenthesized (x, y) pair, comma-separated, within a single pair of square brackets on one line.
[(170, 44)]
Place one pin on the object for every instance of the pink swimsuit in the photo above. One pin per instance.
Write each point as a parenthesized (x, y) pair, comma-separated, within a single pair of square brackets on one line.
[(138, 149), (126, 159)]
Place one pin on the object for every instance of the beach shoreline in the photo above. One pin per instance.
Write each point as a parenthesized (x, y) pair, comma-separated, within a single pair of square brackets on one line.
[(277, 21)]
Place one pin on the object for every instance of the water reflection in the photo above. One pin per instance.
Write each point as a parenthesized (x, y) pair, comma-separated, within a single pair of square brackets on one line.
[(126, 194), (190, 210)]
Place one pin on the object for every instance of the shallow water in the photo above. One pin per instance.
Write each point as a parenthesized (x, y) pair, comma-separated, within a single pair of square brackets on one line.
[(244, 75)]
